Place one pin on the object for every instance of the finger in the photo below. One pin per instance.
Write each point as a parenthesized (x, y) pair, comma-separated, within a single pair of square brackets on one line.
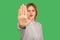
[(25, 10), (20, 11)]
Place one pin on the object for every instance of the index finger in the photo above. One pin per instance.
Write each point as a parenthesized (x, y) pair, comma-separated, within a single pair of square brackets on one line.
[(25, 10)]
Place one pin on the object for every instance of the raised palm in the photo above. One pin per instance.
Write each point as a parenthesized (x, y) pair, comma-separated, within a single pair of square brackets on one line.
[(22, 16)]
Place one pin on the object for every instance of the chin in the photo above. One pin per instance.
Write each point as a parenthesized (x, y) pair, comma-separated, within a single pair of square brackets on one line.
[(31, 17)]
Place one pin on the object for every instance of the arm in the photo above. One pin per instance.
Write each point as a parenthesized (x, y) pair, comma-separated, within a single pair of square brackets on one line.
[(20, 29), (40, 31)]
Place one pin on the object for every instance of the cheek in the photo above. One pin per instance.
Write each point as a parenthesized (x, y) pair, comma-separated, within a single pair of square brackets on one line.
[(34, 13)]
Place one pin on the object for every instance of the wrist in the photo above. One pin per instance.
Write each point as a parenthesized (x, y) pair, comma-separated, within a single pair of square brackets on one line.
[(22, 27)]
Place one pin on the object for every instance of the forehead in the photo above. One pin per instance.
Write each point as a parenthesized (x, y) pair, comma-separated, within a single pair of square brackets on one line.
[(31, 7)]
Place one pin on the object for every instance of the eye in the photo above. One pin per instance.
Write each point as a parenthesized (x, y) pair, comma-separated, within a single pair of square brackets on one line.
[(33, 10), (28, 10)]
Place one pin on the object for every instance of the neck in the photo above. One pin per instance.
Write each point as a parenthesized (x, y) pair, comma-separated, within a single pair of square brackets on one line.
[(33, 20)]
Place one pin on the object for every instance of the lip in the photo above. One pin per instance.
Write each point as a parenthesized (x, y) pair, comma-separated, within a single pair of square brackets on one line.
[(31, 15)]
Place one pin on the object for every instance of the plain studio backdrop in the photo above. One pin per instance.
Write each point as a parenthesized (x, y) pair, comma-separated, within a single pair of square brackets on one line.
[(48, 16)]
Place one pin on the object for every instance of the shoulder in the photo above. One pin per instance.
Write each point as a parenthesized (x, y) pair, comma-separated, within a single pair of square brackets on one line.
[(38, 26), (37, 23)]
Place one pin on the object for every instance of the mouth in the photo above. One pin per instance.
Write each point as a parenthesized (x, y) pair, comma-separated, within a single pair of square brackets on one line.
[(31, 15)]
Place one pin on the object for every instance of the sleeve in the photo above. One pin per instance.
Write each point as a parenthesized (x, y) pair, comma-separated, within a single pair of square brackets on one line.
[(40, 31), (37, 31), (20, 29)]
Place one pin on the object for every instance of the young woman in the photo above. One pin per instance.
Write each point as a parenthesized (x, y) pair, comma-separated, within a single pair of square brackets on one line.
[(30, 29)]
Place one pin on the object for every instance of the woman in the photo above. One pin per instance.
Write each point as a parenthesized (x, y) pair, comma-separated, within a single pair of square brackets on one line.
[(30, 29)]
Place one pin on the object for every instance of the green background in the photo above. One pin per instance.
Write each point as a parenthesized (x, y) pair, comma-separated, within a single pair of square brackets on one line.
[(48, 16)]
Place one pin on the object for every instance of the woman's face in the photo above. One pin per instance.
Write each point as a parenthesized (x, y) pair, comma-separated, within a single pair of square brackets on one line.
[(31, 12)]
